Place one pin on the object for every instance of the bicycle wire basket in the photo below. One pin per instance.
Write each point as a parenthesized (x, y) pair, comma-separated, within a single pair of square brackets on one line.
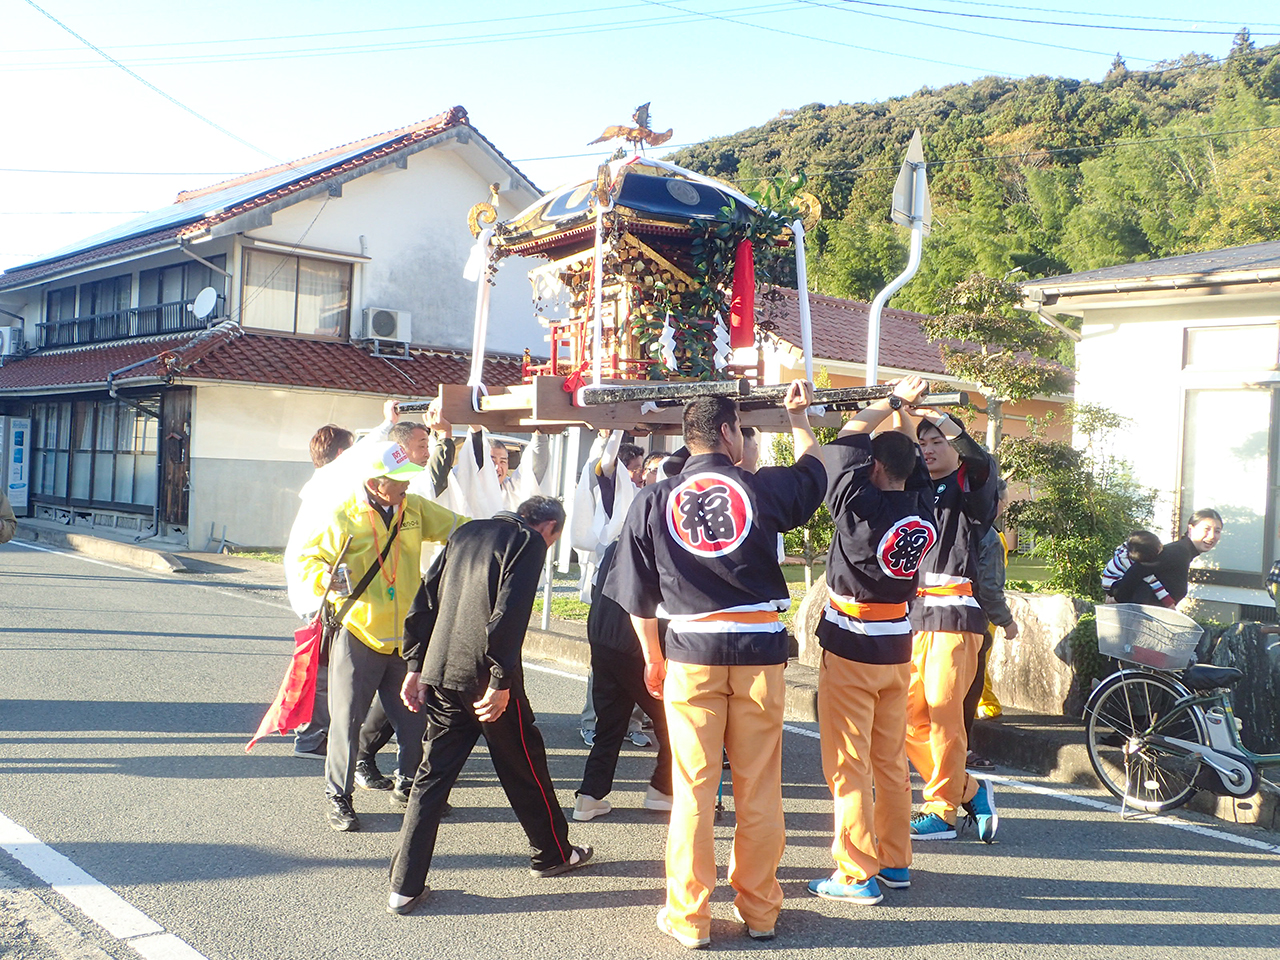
[(1155, 637)]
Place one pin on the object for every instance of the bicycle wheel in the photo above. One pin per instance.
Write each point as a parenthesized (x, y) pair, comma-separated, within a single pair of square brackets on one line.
[(1126, 711)]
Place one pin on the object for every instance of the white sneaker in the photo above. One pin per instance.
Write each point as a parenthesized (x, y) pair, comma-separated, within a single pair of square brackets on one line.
[(753, 934), (655, 799), (588, 808), (693, 943)]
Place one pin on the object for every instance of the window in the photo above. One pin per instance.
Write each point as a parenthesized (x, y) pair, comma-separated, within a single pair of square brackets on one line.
[(50, 452), (180, 282), (295, 294), (102, 452), (106, 296), (1252, 347), (61, 304), (1225, 466)]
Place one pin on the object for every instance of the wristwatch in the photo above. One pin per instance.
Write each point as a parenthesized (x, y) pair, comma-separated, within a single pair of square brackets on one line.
[(895, 402)]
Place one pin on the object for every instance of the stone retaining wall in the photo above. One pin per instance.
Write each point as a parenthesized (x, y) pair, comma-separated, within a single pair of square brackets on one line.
[(1036, 671)]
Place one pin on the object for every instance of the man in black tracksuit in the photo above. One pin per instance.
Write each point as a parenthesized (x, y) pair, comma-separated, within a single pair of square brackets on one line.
[(463, 639), (617, 665)]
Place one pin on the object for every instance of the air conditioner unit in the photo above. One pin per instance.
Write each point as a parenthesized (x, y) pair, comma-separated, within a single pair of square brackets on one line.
[(10, 341), (383, 324)]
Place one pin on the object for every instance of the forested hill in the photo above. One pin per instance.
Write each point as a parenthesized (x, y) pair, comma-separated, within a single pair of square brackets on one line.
[(1041, 174)]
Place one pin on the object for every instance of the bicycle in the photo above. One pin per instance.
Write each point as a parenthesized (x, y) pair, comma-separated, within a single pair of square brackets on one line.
[(1161, 727)]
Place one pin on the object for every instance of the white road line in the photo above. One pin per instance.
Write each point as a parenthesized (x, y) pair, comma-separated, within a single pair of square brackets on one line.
[(1186, 825), (1102, 805), (792, 728), (165, 946), (138, 571), (95, 899), (554, 672)]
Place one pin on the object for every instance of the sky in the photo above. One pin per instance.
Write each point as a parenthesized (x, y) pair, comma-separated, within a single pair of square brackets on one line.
[(224, 88)]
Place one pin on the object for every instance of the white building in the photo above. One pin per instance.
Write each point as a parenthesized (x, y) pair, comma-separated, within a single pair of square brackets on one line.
[(1188, 348), (149, 418)]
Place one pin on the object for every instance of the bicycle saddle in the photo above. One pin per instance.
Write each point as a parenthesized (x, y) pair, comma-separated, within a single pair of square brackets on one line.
[(1203, 676)]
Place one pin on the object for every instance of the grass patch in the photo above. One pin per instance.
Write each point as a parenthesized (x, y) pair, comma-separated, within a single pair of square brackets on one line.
[(1028, 574), (565, 608), (269, 556), (794, 572)]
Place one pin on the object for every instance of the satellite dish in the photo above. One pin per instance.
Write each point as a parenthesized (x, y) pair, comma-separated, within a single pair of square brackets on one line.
[(204, 302)]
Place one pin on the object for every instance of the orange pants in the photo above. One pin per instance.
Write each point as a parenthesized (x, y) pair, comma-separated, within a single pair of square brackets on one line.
[(942, 667), (862, 715), (739, 707)]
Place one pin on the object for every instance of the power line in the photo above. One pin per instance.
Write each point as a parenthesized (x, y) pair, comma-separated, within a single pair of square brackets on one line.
[(1046, 23), (67, 213), (954, 29), (1113, 16), (351, 33), (148, 84), (488, 37), (838, 43)]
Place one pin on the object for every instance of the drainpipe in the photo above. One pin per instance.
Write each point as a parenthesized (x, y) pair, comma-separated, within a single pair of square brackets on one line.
[(1057, 324), (182, 245)]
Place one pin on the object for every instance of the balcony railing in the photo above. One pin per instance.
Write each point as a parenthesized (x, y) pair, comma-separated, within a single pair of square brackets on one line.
[(122, 324)]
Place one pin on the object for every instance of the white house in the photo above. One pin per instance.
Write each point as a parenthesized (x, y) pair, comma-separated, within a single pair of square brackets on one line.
[(1188, 348), (337, 281)]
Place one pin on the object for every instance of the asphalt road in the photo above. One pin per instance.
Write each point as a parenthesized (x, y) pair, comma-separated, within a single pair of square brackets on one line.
[(126, 700)]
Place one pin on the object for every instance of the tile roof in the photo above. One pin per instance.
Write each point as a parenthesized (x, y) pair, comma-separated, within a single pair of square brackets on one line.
[(320, 364), (80, 366), (1254, 257), (196, 211), (839, 329), (16, 276), (224, 354)]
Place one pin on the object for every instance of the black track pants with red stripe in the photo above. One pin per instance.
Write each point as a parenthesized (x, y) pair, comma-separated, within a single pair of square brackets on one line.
[(520, 759)]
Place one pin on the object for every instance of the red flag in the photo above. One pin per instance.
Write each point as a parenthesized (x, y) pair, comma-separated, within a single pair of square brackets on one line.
[(297, 697), (742, 309)]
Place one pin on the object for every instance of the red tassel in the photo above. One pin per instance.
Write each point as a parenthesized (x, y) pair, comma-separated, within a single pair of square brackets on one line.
[(297, 696), (742, 309)]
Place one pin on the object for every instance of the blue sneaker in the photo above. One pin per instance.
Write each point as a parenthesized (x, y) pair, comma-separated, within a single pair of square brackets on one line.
[(864, 891), (930, 826), (982, 810), (895, 878)]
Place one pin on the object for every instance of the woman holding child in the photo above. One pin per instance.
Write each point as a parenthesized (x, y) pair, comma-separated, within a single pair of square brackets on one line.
[(1144, 571)]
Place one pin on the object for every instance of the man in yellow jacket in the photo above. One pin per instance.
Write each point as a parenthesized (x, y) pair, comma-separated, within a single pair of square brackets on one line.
[(386, 526)]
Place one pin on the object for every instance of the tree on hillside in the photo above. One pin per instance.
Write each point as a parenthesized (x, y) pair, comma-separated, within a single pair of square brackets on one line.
[(1043, 174), (987, 340)]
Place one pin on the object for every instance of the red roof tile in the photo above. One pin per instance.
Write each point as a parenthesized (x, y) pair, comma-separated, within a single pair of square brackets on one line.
[(453, 117), (19, 275), (80, 366), (219, 355), (839, 330), (433, 125), (295, 362)]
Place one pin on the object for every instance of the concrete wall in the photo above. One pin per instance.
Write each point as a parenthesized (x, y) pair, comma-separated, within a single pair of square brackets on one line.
[(249, 456), (414, 228)]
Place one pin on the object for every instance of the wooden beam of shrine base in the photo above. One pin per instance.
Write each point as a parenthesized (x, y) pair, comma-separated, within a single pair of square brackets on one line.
[(455, 406), (843, 395), (657, 391)]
